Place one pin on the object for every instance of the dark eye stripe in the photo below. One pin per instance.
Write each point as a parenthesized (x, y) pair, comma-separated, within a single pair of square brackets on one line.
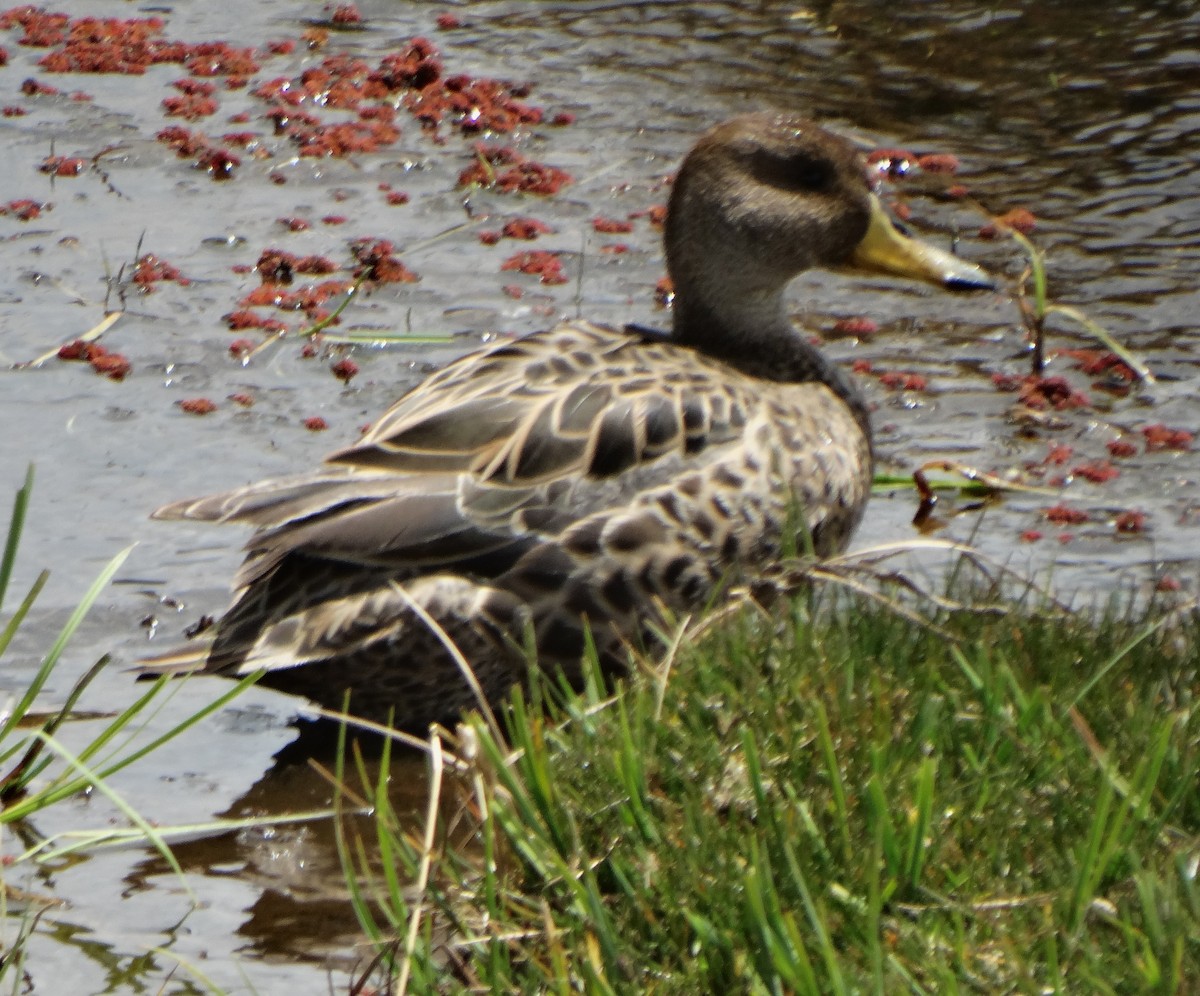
[(791, 171)]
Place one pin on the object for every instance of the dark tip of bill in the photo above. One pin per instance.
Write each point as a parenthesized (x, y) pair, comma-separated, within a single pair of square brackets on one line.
[(973, 282)]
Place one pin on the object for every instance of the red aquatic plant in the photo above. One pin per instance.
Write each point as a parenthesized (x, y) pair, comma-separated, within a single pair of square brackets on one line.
[(611, 226), (1064, 515), (1018, 219), (1131, 521), (1161, 437), (1097, 471), (150, 270), (524, 229), (540, 263)]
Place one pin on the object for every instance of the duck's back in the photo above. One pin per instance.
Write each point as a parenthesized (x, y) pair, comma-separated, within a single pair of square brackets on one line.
[(580, 477)]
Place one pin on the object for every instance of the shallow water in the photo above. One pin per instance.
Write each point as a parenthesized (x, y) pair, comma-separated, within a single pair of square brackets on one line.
[(1083, 113)]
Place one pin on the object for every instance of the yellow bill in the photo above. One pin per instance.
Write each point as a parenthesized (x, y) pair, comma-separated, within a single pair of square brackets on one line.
[(884, 249)]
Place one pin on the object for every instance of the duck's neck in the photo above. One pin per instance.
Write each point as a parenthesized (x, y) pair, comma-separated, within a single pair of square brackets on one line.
[(755, 335)]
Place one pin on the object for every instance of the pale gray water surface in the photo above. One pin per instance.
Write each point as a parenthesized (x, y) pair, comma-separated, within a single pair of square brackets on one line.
[(1085, 114)]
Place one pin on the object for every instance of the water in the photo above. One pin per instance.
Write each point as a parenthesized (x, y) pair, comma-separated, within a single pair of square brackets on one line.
[(1084, 114)]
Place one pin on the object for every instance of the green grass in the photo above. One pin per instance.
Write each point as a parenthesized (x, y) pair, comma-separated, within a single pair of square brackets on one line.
[(38, 771), (841, 801)]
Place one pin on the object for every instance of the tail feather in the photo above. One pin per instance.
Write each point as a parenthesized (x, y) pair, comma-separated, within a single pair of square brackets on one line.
[(192, 659)]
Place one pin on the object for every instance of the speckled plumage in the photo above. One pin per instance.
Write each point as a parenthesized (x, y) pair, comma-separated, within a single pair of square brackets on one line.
[(583, 477)]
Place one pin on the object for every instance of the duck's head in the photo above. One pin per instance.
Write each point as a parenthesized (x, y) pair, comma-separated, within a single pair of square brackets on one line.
[(761, 198)]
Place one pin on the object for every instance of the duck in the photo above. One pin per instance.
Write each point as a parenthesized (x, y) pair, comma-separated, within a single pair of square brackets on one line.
[(570, 492)]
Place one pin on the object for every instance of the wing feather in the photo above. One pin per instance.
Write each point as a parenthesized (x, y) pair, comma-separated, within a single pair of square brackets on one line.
[(498, 447)]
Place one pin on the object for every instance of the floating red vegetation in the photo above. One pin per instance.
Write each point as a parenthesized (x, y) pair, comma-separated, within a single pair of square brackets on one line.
[(938, 162), (1064, 515), (114, 45), (415, 73), (611, 226), (195, 100), (193, 145), (664, 292), (309, 299), (489, 237), (3, 57), (344, 139), (197, 406), (243, 399), (333, 219), (344, 370), (149, 270), (112, 365), (1167, 584), (244, 318), (11, 111), (562, 119), (473, 106), (219, 162), (185, 143), (1031, 536), (275, 266), (240, 348), (956, 191), (1057, 455), (377, 259), (1018, 219), (860, 327), (315, 424), (295, 224), (417, 67), (904, 381), (862, 367), (1161, 437), (346, 14), (448, 22), (1097, 471), (1130, 522), (521, 174), (267, 295), (1121, 448), (540, 263), (615, 248), (397, 197), (77, 349), (315, 266), (513, 291), (63, 165), (1042, 392), (1096, 362), (25, 209), (525, 229), (35, 88), (190, 108), (656, 215)]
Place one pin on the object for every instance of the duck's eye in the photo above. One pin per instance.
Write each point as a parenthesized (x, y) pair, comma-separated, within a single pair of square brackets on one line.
[(795, 171)]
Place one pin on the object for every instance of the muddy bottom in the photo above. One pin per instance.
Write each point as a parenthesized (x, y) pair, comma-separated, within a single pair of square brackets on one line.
[(1082, 115)]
